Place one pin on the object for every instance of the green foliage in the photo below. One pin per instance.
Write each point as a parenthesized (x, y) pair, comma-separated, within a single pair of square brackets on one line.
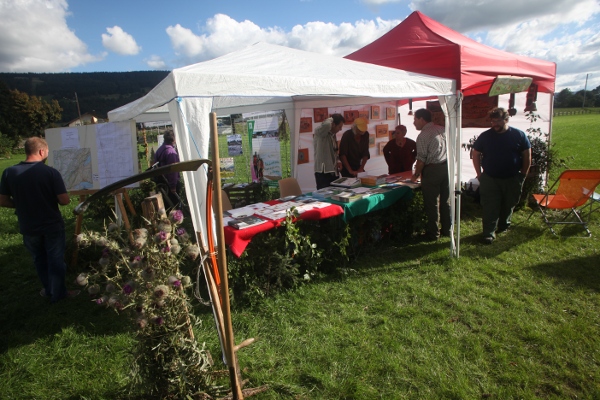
[(543, 159), (6, 146), (566, 98), (24, 115), (296, 253)]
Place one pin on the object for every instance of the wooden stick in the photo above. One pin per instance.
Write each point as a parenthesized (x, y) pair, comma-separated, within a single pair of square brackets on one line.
[(245, 343), (236, 389)]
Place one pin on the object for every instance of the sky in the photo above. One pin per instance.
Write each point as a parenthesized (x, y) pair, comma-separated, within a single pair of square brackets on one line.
[(139, 35)]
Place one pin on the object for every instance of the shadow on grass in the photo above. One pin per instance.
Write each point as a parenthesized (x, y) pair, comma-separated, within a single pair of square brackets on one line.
[(25, 316), (580, 271)]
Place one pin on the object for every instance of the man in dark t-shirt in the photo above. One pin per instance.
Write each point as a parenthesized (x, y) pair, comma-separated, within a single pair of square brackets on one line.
[(35, 190), (504, 153)]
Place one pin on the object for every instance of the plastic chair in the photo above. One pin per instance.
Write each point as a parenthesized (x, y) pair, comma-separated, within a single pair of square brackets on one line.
[(575, 187), (289, 187)]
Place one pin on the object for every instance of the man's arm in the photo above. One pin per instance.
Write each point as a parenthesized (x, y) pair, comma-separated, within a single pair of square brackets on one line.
[(418, 169), (363, 162), (6, 201), (477, 162), (346, 165), (63, 199), (526, 154)]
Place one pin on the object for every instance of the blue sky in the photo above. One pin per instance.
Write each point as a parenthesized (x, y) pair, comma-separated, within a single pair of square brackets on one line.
[(134, 35)]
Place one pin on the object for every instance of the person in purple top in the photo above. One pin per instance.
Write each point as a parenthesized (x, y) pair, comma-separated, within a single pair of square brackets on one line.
[(166, 155), (35, 191)]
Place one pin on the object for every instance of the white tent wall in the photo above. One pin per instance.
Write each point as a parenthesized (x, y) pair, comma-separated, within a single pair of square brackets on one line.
[(190, 123)]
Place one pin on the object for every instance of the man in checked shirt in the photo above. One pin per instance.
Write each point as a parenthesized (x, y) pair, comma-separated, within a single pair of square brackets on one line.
[(432, 169)]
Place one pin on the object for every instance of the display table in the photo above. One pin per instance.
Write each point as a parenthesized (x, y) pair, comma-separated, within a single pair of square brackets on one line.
[(373, 202), (238, 239)]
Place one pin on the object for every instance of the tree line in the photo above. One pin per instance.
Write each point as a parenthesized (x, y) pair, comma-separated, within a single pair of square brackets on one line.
[(582, 98)]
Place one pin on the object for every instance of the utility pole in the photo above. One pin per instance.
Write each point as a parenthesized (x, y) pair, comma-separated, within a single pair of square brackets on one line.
[(584, 90), (79, 111)]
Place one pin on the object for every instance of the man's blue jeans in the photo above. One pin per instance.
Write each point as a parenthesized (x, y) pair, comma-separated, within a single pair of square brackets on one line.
[(48, 252)]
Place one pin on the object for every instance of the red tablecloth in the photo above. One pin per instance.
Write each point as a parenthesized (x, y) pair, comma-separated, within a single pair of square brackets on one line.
[(238, 239)]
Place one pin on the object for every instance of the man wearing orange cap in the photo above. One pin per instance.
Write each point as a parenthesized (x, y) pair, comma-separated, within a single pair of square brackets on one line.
[(354, 148)]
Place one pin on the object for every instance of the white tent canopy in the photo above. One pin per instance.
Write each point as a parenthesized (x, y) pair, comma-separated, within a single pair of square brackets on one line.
[(266, 77)]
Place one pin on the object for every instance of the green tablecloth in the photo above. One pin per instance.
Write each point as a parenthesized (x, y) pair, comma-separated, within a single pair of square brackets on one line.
[(373, 202)]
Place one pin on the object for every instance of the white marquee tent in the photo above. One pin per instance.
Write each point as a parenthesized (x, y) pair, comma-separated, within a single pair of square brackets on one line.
[(267, 77)]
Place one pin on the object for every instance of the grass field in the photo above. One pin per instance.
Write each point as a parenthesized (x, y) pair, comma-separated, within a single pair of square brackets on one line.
[(517, 319)]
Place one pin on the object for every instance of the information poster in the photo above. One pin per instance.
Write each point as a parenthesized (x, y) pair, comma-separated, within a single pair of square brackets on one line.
[(93, 156)]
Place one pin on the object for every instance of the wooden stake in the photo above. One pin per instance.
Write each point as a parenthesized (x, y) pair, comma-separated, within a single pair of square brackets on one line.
[(236, 388)]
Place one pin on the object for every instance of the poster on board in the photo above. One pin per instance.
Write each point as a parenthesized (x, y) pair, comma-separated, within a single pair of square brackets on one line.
[(93, 156)]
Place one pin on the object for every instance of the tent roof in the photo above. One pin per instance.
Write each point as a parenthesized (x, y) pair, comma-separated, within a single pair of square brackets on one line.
[(421, 44), (266, 73)]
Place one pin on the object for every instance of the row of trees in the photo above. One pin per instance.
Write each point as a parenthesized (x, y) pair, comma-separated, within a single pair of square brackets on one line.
[(22, 115), (567, 99)]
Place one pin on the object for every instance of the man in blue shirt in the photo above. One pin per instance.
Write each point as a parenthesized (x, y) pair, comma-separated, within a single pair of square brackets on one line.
[(35, 190), (504, 153)]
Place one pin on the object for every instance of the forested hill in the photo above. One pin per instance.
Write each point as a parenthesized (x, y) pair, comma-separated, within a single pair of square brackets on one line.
[(98, 92)]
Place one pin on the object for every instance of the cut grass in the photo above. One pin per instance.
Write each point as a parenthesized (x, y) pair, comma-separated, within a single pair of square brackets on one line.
[(517, 319)]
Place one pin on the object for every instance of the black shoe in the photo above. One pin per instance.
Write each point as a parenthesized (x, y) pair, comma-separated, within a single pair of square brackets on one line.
[(487, 240), (502, 230)]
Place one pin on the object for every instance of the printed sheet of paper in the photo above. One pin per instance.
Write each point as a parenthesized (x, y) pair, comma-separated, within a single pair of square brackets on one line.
[(115, 160), (70, 138)]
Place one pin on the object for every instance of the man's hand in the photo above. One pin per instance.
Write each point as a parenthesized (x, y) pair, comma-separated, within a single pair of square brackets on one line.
[(6, 201)]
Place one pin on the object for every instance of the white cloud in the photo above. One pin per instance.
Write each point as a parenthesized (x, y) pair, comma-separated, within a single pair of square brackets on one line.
[(34, 37), (156, 62), (223, 35), (120, 42)]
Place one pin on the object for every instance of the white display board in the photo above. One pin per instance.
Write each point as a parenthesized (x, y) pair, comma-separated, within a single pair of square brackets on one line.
[(93, 156)]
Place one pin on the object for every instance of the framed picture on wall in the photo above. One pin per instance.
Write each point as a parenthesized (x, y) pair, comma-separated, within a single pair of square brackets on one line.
[(306, 124), (371, 141), (375, 112), (363, 114), (303, 156), (320, 114), (350, 116), (381, 130), (380, 147), (390, 113)]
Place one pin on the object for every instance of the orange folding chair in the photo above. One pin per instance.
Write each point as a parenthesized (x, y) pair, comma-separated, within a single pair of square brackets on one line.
[(575, 187)]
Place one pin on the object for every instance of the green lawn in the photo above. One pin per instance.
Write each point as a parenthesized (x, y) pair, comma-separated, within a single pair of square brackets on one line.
[(517, 319)]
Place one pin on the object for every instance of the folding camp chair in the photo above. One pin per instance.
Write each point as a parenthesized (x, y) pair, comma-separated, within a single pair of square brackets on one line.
[(575, 187), (593, 203)]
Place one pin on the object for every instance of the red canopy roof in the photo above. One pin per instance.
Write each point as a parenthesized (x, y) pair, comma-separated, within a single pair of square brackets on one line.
[(420, 44)]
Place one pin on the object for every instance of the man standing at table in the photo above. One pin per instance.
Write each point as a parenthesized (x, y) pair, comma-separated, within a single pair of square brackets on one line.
[(432, 168), (505, 155), (400, 153), (35, 190), (327, 162), (354, 148)]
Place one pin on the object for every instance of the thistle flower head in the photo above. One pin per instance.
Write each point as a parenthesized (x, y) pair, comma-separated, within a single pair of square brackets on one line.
[(176, 216), (82, 279), (161, 291), (93, 289), (192, 252)]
